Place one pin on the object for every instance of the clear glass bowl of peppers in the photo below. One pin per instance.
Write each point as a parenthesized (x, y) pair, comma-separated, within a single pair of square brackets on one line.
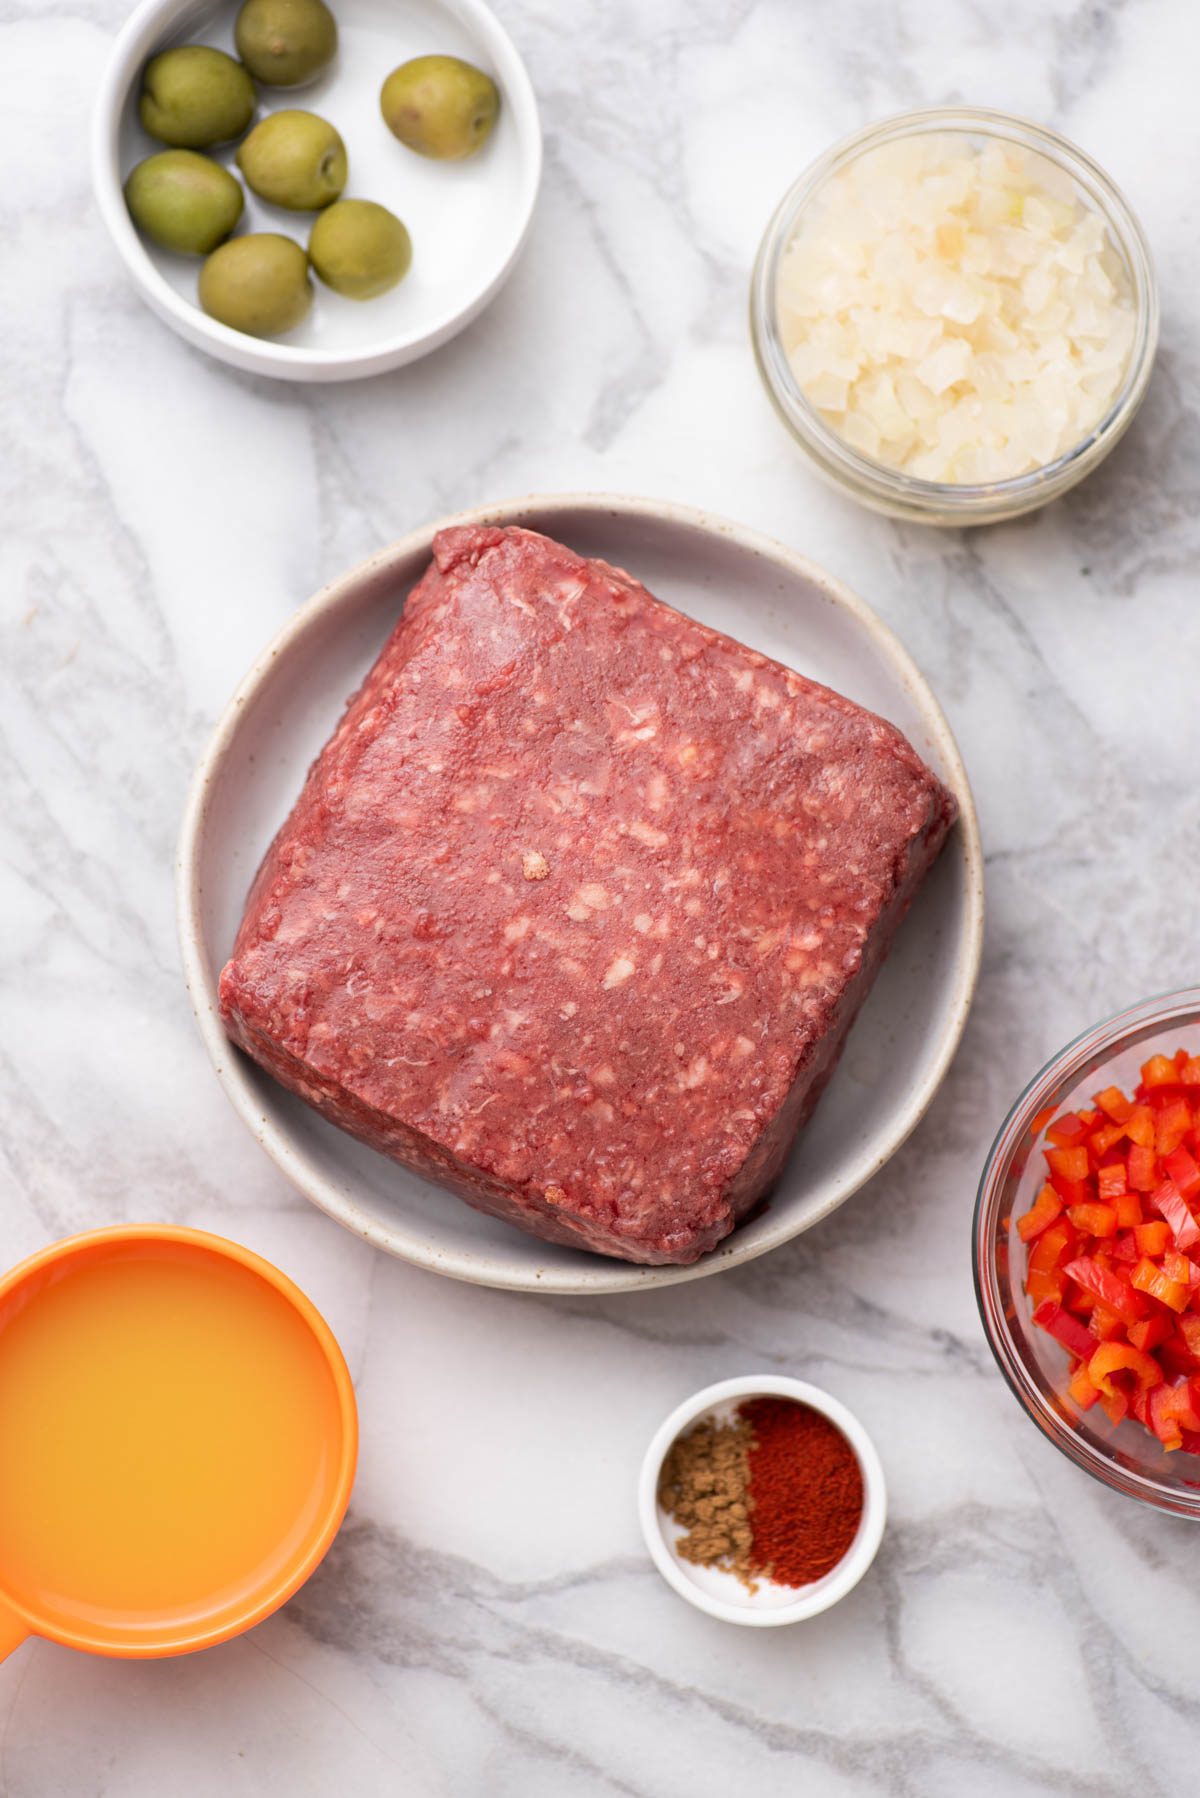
[(1087, 1251)]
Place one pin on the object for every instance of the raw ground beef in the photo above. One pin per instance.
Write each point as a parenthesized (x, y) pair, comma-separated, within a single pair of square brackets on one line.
[(579, 901)]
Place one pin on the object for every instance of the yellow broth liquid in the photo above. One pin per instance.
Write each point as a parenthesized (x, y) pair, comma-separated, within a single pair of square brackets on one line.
[(169, 1433)]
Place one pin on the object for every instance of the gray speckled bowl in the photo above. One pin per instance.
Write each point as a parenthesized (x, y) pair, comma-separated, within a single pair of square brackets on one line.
[(730, 578)]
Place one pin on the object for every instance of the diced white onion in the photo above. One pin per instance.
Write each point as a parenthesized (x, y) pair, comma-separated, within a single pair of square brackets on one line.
[(954, 308)]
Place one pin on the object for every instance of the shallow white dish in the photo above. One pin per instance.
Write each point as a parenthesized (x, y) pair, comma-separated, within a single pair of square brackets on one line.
[(734, 579), (719, 1593), (468, 220)]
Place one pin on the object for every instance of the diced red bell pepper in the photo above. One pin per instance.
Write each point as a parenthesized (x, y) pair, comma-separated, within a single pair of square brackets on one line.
[(1093, 1219), (1151, 1280), (1072, 1164), (1110, 1181), (1122, 1357), (1150, 1333), (1160, 1070), (1169, 1202), (1065, 1329), (1172, 1410), (1106, 1325), (1106, 1138), (1185, 1395), (1045, 1208), (1189, 1329), (1153, 1238), (1125, 1248), (1183, 1168), (1105, 1284), (1114, 1104), (1072, 1192), (1141, 1170), (1068, 1130), (1189, 1073)]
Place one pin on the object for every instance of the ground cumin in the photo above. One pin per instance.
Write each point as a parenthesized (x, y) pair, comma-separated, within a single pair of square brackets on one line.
[(703, 1486), (776, 1492)]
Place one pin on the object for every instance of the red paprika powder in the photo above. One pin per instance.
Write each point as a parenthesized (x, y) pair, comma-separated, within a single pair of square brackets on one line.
[(805, 1489)]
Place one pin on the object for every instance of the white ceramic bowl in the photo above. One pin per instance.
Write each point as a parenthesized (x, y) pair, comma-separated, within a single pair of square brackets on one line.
[(736, 580), (722, 1594), (468, 220)]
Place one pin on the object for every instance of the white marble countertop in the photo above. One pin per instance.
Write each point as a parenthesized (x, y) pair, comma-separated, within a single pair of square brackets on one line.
[(488, 1623)]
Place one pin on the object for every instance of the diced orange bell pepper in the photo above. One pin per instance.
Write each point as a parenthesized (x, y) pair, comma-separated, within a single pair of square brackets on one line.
[(1044, 1117), (1189, 1073), (1153, 1238), (1160, 1070), (1128, 1208), (1122, 1357), (1093, 1219), (1171, 1126), (1154, 1283), (1141, 1170), (1115, 1405), (1072, 1164), (1189, 1329), (1114, 1104), (1082, 1389), (1139, 1127), (1045, 1208)]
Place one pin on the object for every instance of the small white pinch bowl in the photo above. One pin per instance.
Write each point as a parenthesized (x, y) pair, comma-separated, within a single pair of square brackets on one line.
[(719, 1593), (468, 220)]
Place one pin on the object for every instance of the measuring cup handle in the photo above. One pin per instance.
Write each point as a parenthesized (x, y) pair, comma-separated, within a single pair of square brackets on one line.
[(13, 1629)]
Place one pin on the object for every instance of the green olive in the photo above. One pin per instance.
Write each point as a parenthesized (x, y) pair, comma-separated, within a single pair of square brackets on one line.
[(284, 43), (359, 249), (294, 159), (185, 202), (440, 106), (195, 96), (257, 284)]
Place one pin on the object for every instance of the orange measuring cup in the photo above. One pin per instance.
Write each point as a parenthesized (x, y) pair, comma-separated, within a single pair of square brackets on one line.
[(178, 1438)]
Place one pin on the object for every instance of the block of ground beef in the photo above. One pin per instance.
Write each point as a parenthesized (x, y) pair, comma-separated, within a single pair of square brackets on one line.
[(579, 901)]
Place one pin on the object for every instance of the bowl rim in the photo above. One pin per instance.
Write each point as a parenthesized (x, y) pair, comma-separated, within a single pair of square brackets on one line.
[(544, 510), (1087, 1051), (911, 495), (824, 1592), (270, 356), (179, 1639)]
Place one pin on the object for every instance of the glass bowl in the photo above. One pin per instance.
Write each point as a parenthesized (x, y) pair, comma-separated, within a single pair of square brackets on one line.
[(891, 490), (1126, 1458)]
